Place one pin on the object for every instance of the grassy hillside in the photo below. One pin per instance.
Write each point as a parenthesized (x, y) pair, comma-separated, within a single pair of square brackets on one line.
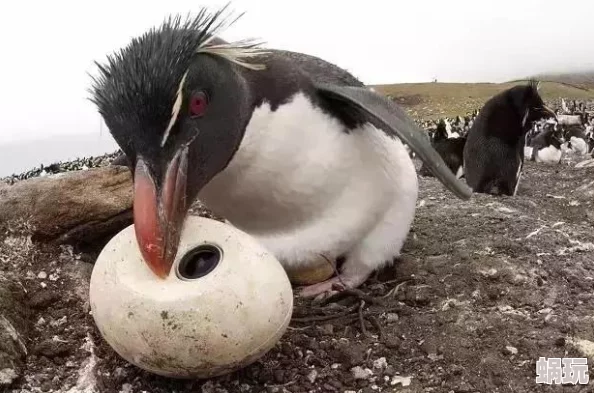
[(435, 100), (583, 80)]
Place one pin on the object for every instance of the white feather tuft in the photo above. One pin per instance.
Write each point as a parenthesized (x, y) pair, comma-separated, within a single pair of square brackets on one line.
[(235, 52), (176, 108)]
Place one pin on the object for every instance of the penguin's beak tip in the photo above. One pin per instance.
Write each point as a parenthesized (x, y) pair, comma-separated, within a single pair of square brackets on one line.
[(159, 213)]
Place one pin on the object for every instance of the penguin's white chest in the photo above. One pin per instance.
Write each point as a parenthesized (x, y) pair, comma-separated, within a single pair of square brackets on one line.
[(578, 145), (302, 185), (549, 155)]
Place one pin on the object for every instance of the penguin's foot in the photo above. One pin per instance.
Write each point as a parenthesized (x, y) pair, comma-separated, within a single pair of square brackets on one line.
[(328, 288)]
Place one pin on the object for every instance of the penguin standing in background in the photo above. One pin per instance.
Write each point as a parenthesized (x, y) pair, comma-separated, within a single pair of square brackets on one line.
[(494, 150), (287, 147), (451, 151), (564, 108), (591, 143), (534, 131), (449, 147), (546, 147), (440, 133), (577, 140)]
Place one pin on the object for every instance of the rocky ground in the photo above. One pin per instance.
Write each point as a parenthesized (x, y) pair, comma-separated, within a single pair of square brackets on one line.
[(483, 289)]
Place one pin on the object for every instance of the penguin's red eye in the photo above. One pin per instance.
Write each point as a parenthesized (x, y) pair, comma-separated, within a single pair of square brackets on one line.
[(198, 104)]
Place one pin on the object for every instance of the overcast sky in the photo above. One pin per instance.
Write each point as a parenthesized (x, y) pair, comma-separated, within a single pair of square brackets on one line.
[(49, 46)]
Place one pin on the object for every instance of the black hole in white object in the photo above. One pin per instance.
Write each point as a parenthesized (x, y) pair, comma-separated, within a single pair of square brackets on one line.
[(199, 262)]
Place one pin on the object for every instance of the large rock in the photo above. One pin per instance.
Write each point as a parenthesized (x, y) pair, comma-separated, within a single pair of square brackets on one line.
[(83, 205)]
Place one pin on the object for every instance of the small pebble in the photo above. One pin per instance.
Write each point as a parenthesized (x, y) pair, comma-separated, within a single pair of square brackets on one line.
[(397, 379), (51, 349), (361, 373), (392, 342), (490, 273), (380, 363), (59, 322), (509, 350), (119, 372), (391, 317), (126, 388), (42, 299), (312, 375), (7, 376)]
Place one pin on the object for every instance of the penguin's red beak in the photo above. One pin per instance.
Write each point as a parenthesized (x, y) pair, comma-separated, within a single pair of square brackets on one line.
[(160, 211)]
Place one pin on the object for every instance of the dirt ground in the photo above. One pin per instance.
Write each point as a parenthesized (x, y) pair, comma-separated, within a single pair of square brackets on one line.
[(483, 289)]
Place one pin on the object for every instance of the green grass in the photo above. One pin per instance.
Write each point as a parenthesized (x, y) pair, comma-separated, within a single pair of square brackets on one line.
[(436, 100)]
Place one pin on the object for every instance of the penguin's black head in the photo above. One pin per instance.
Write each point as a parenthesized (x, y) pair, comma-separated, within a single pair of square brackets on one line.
[(176, 103), (441, 132), (528, 103), (554, 135)]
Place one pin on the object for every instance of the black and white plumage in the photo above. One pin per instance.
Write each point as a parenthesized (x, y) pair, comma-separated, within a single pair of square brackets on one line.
[(289, 148), (445, 128), (494, 150), (451, 151), (546, 146), (577, 139), (590, 136)]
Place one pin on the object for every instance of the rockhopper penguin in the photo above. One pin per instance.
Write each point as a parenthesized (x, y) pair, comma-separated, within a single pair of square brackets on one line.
[(494, 150), (289, 148)]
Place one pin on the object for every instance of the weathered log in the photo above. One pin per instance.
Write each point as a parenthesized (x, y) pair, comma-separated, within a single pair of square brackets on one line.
[(78, 206)]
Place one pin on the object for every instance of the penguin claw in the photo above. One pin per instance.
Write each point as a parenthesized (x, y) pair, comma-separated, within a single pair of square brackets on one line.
[(323, 296), (321, 290), (325, 289)]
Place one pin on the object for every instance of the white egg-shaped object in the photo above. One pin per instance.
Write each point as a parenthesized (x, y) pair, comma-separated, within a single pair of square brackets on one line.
[(192, 328)]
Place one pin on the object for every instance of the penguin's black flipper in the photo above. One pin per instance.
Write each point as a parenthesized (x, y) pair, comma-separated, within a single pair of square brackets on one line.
[(385, 115)]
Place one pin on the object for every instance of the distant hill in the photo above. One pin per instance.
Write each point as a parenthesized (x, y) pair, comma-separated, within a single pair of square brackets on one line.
[(435, 100), (584, 80)]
